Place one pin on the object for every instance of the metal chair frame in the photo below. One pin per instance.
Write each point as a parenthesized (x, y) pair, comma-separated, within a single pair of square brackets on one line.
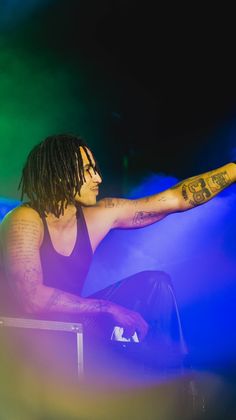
[(70, 327)]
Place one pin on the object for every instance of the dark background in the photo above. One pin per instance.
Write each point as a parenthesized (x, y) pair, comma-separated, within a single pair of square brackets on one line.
[(166, 75), (172, 71)]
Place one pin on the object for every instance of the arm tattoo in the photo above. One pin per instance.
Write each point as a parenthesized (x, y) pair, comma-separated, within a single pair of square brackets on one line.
[(184, 192), (61, 301), (143, 217), (24, 285), (101, 305), (20, 238), (109, 203), (119, 202), (201, 189), (218, 181), (23, 273), (198, 191), (29, 285)]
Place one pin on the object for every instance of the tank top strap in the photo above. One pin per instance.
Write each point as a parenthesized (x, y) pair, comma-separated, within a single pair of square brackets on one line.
[(45, 225), (82, 230), (78, 211)]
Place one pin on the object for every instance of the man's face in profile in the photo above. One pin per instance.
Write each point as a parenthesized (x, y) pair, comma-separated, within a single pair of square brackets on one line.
[(90, 188)]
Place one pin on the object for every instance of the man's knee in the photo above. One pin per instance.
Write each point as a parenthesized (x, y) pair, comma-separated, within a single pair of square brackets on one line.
[(157, 278)]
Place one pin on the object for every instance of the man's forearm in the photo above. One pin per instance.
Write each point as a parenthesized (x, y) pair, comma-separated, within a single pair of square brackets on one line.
[(55, 300), (202, 188)]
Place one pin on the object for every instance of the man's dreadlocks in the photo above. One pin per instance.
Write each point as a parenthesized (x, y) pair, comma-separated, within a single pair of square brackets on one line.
[(53, 173)]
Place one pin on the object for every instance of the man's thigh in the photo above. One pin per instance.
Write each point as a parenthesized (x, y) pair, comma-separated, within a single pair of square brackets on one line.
[(144, 292)]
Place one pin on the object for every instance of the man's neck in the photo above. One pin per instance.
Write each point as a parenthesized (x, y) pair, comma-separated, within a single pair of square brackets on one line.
[(66, 219)]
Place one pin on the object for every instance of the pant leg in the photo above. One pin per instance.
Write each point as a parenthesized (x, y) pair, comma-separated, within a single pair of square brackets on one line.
[(151, 294)]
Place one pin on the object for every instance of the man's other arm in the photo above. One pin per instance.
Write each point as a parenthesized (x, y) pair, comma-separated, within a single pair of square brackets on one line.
[(21, 234)]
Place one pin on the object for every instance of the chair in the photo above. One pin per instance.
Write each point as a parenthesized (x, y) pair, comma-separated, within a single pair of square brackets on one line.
[(38, 324)]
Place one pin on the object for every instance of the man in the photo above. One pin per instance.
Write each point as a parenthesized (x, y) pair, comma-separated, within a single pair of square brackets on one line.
[(48, 243)]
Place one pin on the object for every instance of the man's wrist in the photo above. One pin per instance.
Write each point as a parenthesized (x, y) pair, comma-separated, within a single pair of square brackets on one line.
[(105, 306)]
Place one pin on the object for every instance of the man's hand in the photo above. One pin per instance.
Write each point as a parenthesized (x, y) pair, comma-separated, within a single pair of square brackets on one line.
[(131, 321)]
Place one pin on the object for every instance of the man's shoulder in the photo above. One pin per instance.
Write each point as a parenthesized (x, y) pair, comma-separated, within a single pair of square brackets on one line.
[(21, 214), (104, 213), (22, 224)]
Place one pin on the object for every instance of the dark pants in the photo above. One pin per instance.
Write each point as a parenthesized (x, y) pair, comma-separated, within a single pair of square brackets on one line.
[(151, 294)]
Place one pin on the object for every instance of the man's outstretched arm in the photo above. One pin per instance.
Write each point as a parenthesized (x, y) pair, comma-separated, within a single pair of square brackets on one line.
[(183, 196)]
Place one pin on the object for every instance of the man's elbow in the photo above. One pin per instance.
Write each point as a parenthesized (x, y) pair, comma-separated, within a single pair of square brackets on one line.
[(176, 203), (32, 305)]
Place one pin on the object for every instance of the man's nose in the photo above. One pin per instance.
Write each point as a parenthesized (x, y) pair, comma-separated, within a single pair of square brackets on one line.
[(96, 177)]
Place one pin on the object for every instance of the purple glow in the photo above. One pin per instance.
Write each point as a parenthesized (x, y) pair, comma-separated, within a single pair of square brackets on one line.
[(197, 249)]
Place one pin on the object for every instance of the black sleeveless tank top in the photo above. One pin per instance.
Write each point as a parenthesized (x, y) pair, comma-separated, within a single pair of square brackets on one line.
[(67, 273)]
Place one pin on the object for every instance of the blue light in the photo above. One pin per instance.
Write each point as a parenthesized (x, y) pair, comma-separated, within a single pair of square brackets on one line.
[(7, 205)]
